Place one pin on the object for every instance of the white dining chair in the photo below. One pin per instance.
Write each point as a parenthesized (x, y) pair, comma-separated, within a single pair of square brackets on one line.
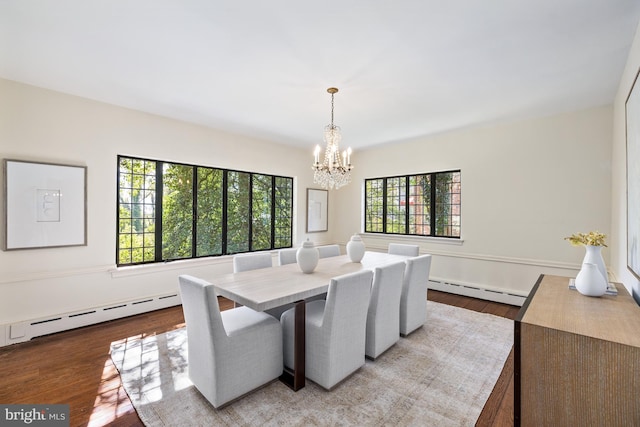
[(335, 330), (383, 316), (328, 251), (230, 353), (252, 261), (287, 256), (413, 300), (403, 249)]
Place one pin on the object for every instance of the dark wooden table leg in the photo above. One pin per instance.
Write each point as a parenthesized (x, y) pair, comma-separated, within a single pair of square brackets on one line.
[(296, 379)]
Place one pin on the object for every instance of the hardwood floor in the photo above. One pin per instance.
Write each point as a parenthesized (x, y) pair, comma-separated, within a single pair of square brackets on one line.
[(74, 367)]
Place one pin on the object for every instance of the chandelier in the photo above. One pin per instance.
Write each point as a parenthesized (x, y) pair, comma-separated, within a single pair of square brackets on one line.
[(335, 170)]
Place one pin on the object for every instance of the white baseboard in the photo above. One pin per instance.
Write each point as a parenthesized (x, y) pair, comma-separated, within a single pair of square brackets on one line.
[(476, 291), (24, 331)]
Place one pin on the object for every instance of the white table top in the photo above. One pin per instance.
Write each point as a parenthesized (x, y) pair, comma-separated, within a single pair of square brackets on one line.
[(267, 288)]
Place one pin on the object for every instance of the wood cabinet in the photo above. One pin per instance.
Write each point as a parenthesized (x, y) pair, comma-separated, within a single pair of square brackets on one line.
[(577, 358)]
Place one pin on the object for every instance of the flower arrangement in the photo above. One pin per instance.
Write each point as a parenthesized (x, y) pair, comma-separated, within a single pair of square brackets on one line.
[(592, 238)]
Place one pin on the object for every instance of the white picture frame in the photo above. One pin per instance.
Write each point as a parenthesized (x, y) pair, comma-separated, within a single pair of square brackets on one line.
[(317, 210), (632, 117), (45, 205)]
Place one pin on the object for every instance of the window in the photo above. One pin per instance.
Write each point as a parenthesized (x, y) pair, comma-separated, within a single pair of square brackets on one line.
[(424, 205), (169, 211)]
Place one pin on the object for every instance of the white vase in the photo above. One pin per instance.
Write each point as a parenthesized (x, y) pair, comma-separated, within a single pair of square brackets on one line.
[(307, 257), (355, 248), (593, 255), (590, 281)]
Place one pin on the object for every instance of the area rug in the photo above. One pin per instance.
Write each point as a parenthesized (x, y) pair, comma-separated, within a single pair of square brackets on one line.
[(442, 375)]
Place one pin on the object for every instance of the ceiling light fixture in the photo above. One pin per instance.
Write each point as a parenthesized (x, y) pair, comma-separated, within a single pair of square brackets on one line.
[(335, 170)]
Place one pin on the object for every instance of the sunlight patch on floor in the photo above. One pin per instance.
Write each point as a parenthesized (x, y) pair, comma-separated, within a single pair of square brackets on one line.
[(111, 400), (139, 359)]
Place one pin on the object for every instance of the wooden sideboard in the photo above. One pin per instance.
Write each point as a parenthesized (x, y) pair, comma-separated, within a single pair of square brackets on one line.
[(577, 358)]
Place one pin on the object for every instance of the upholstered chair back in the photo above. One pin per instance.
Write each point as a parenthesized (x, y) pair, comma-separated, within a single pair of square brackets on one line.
[(205, 330), (328, 251), (383, 316), (252, 261), (403, 249), (413, 301), (343, 330), (287, 256)]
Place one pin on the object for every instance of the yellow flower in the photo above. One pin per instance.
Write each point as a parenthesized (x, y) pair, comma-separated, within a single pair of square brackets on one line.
[(592, 238)]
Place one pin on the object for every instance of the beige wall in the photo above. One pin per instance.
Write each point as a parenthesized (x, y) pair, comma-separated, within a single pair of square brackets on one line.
[(525, 186), (41, 125), (618, 244)]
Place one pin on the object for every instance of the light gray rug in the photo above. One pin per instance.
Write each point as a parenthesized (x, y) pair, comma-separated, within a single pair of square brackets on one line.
[(442, 375)]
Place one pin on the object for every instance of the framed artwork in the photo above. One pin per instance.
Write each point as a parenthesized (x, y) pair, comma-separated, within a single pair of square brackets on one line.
[(317, 210), (632, 115), (45, 205)]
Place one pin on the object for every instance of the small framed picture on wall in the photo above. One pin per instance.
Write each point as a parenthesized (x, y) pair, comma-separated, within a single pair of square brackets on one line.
[(317, 210)]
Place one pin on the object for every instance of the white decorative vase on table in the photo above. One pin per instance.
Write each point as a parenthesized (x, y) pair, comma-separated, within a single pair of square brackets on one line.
[(307, 257), (590, 281), (355, 248), (593, 255)]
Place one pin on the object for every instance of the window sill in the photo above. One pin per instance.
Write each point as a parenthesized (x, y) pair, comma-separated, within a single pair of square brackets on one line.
[(135, 270), (412, 239)]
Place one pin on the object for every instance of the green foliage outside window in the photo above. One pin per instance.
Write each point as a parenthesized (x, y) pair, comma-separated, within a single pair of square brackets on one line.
[(209, 209), (424, 205), (396, 206), (238, 219), (283, 220), (177, 211), (261, 225), (169, 211), (136, 209), (374, 210)]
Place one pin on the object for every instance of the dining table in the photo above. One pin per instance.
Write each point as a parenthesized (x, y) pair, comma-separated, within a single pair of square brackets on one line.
[(268, 288)]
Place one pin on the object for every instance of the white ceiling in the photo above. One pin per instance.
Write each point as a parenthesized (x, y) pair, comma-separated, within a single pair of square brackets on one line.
[(404, 68)]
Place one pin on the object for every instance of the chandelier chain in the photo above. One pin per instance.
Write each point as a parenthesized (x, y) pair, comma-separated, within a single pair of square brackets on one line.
[(332, 110)]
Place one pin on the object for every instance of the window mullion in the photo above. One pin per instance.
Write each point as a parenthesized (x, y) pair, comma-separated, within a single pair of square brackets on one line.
[(250, 231), (118, 200), (432, 204), (384, 205), (194, 212), (225, 195), (158, 207), (273, 212), (406, 205)]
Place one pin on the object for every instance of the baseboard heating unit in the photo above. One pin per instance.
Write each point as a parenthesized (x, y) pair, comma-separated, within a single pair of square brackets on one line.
[(24, 331), (478, 292)]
